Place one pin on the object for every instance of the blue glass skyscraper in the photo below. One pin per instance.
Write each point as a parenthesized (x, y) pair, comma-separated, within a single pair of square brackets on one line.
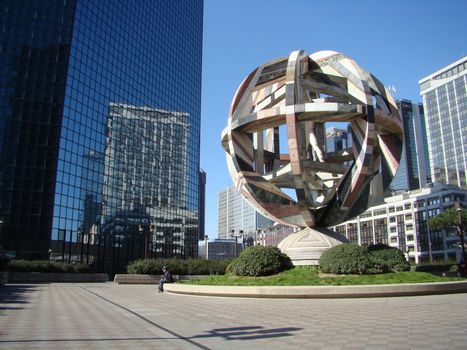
[(414, 168), (99, 129)]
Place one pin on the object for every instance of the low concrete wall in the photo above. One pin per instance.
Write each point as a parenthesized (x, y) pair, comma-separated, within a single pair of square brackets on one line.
[(136, 279), (36, 277), (150, 279), (355, 291)]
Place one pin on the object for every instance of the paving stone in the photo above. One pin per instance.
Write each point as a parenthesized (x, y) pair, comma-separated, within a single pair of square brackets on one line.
[(106, 315)]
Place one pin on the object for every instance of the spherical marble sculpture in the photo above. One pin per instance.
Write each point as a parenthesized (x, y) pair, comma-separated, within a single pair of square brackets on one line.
[(302, 93)]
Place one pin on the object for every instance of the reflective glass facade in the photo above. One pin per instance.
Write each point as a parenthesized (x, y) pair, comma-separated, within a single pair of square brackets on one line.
[(414, 170), (236, 216), (124, 160), (444, 96), (202, 205), (34, 53)]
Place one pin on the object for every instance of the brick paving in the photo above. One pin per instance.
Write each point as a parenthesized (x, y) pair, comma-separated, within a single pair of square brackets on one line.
[(110, 316)]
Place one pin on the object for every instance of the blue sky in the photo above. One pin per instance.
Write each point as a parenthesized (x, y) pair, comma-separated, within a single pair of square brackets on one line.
[(400, 42)]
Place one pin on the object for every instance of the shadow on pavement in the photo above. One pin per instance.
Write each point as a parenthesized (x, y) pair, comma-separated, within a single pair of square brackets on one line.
[(74, 340), (248, 333), (15, 294)]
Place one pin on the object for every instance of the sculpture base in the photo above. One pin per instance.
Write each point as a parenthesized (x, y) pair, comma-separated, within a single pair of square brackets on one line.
[(306, 246)]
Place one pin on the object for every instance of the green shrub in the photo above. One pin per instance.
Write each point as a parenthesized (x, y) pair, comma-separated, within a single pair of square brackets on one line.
[(218, 267), (146, 267), (196, 266), (178, 266), (389, 258), (206, 267), (260, 261), (354, 259), (349, 259), (82, 268), (18, 265), (23, 266), (435, 268), (51, 266)]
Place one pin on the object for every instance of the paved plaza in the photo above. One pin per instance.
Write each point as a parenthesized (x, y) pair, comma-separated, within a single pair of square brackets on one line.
[(111, 316)]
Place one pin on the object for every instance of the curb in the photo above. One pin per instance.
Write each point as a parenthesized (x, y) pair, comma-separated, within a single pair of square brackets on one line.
[(320, 292)]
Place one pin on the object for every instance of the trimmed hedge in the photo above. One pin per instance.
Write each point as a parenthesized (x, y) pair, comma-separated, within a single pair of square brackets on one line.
[(260, 261), (347, 259), (352, 259), (388, 258), (438, 268), (178, 266), (46, 266)]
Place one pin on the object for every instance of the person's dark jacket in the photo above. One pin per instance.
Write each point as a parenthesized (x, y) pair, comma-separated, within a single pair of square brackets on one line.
[(168, 277)]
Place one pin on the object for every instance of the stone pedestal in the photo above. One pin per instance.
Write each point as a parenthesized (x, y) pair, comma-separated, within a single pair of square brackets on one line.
[(306, 246)]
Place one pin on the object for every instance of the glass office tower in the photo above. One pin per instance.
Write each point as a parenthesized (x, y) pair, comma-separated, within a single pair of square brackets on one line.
[(99, 129), (414, 168), (236, 215), (444, 96)]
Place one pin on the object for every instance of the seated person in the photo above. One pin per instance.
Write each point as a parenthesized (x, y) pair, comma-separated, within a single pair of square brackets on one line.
[(167, 278)]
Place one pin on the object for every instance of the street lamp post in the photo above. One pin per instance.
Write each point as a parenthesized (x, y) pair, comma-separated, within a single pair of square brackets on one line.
[(206, 246), (240, 234), (143, 232), (80, 243), (88, 239), (154, 240), (430, 248), (460, 230), (236, 246), (232, 234)]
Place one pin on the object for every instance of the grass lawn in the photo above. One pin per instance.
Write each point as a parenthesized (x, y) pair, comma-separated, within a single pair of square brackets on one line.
[(310, 276)]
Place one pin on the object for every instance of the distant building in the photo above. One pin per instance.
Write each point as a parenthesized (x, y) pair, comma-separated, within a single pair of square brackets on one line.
[(91, 189), (202, 204), (272, 235), (402, 222), (220, 249), (414, 170), (236, 216), (444, 95), (338, 139)]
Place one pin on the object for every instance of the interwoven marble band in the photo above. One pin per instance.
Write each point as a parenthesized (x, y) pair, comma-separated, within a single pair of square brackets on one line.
[(302, 93)]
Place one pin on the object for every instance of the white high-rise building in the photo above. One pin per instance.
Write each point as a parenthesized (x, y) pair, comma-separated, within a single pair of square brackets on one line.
[(401, 222), (236, 215), (444, 95)]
